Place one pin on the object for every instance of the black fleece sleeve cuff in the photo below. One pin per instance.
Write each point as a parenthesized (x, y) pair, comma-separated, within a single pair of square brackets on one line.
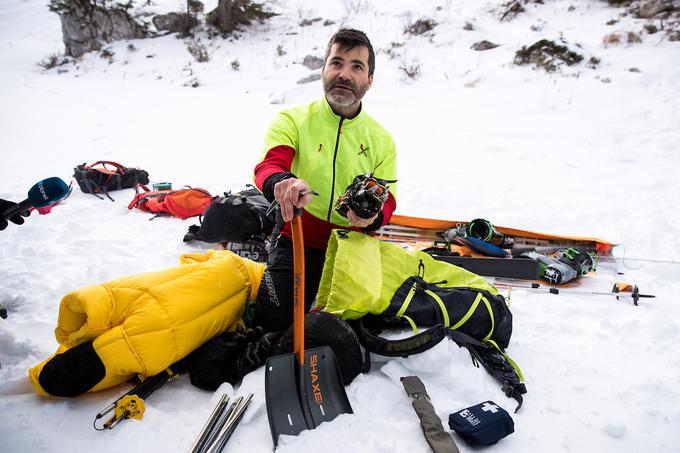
[(377, 223), (271, 181)]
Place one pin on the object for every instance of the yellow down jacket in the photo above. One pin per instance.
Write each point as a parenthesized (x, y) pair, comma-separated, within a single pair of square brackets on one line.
[(143, 323)]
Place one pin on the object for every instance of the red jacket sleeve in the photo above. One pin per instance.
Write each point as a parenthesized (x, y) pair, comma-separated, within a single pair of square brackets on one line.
[(277, 160), (388, 209)]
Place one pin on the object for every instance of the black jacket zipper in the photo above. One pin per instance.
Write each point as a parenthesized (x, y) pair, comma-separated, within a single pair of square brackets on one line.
[(335, 157)]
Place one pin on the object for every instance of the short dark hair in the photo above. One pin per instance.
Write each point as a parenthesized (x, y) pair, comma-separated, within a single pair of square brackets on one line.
[(348, 39)]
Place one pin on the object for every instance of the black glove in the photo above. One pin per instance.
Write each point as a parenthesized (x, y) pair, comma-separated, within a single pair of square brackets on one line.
[(17, 218), (230, 356), (257, 352)]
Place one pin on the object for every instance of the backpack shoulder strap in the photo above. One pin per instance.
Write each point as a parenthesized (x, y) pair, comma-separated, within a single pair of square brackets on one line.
[(494, 360), (402, 347), (120, 169), (142, 192)]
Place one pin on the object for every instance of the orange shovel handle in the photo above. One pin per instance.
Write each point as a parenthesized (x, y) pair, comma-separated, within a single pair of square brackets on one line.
[(298, 288)]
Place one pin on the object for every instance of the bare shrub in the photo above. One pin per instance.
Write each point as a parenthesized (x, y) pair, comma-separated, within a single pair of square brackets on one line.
[(107, 54), (632, 38), (511, 10), (392, 51), (193, 83), (420, 27), (611, 39), (411, 69), (354, 7), (651, 28), (614, 39), (52, 61), (547, 55), (199, 51)]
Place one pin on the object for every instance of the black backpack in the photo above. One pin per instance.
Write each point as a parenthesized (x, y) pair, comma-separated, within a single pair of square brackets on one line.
[(241, 222), (98, 179)]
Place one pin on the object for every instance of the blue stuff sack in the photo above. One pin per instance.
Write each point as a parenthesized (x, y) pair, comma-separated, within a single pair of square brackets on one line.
[(483, 424)]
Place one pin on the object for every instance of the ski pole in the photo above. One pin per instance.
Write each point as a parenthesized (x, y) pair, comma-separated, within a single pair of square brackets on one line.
[(643, 260), (634, 295), (131, 404)]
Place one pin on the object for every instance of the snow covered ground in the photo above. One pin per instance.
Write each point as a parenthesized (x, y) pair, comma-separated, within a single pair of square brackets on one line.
[(582, 151)]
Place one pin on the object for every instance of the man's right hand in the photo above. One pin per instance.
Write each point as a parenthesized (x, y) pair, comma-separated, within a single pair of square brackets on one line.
[(287, 193), (18, 219)]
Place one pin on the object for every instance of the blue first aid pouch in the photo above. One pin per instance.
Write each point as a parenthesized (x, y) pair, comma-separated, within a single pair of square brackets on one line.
[(483, 424)]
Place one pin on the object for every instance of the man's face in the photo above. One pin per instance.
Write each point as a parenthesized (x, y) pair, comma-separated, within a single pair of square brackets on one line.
[(345, 76)]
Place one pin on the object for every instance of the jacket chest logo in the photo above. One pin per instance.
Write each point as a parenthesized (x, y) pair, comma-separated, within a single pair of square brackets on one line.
[(363, 150)]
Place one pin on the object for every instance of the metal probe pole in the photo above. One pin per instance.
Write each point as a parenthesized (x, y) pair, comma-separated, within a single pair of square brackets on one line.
[(209, 425)]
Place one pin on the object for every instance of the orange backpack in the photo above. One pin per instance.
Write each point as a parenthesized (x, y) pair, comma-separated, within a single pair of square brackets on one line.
[(182, 203)]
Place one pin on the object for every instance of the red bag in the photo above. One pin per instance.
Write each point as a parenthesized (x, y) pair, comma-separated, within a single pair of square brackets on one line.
[(182, 203)]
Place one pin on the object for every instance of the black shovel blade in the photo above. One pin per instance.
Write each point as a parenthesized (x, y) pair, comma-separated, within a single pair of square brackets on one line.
[(303, 397)]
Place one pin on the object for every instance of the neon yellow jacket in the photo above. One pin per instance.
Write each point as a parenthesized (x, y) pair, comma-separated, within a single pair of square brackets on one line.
[(331, 151), (143, 323)]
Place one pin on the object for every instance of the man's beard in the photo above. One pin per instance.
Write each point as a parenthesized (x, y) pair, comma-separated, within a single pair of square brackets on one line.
[(344, 98)]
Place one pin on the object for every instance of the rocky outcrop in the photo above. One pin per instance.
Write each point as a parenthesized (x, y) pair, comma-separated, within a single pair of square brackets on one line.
[(649, 9), (312, 62), (85, 27), (175, 22)]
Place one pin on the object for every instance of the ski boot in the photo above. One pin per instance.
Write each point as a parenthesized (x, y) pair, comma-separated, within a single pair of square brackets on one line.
[(568, 264), (484, 230)]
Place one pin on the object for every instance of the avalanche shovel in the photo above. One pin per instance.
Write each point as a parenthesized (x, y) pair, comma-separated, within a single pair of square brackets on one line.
[(303, 389)]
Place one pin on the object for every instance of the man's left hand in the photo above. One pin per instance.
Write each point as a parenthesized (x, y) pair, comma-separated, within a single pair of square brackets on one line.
[(357, 221)]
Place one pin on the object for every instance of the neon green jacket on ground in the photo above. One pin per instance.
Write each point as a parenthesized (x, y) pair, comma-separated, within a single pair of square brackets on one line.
[(331, 151)]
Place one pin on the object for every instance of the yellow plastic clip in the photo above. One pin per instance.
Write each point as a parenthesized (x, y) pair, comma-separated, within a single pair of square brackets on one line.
[(132, 404)]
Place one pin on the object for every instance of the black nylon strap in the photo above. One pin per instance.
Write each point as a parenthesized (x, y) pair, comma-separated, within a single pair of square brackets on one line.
[(402, 347), (427, 339), (439, 440)]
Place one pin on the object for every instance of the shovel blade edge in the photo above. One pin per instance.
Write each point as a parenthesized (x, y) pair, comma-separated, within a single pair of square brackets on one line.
[(326, 396), (292, 407), (284, 405)]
